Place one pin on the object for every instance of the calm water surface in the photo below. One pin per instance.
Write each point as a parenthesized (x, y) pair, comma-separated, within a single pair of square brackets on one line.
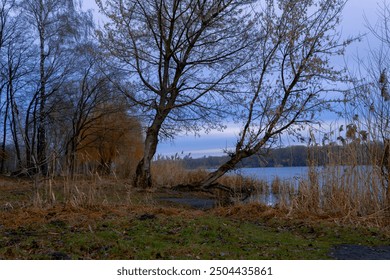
[(268, 174)]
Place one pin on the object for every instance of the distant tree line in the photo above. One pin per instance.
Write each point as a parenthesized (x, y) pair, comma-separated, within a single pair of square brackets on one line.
[(350, 154), (288, 156)]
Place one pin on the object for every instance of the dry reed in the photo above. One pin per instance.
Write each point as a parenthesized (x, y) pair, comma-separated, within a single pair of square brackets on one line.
[(342, 189)]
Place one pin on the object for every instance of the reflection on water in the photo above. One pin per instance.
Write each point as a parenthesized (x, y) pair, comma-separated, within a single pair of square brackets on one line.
[(268, 199), (287, 175)]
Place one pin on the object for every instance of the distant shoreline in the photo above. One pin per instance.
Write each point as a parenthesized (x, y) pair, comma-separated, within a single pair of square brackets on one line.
[(292, 156)]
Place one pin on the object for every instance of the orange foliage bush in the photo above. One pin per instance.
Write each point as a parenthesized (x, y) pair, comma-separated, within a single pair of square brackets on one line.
[(113, 143)]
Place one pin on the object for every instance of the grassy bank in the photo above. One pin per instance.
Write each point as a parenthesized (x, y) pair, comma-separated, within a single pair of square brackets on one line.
[(103, 218), (171, 233)]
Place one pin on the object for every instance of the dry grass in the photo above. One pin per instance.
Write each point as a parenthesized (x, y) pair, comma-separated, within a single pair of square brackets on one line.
[(81, 192), (169, 173), (250, 211), (84, 216), (342, 190), (349, 196), (345, 194)]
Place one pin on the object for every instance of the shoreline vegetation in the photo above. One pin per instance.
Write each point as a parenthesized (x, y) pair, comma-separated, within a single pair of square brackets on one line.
[(105, 217), (97, 216)]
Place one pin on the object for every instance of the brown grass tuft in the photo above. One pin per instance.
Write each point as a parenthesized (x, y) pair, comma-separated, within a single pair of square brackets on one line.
[(250, 211)]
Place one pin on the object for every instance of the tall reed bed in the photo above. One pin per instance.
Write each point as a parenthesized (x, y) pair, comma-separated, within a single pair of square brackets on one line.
[(81, 192), (350, 185)]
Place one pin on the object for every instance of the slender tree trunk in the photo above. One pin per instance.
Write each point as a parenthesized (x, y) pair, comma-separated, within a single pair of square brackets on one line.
[(41, 137), (388, 194), (41, 148), (16, 141), (29, 140), (3, 151), (70, 156), (235, 158), (14, 127)]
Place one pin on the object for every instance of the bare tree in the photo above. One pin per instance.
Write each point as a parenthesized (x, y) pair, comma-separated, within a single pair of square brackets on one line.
[(15, 53), (56, 25), (84, 102), (5, 33), (177, 54), (54, 90), (17, 69), (111, 132), (292, 79)]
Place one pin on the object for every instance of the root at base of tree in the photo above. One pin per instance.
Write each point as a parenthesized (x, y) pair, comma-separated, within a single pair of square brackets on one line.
[(228, 193)]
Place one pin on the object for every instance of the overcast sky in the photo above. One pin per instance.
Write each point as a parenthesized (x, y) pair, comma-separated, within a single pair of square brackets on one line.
[(353, 23)]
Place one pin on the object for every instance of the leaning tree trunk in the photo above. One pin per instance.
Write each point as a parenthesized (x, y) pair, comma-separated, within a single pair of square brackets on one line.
[(222, 170), (210, 182)]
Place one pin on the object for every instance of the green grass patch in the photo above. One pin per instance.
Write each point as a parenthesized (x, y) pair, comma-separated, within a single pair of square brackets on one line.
[(206, 236)]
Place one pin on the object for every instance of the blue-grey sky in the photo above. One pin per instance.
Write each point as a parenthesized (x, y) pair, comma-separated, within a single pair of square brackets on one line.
[(213, 143)]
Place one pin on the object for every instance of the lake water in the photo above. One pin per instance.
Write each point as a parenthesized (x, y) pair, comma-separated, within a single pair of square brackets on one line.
[(268, 174)]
